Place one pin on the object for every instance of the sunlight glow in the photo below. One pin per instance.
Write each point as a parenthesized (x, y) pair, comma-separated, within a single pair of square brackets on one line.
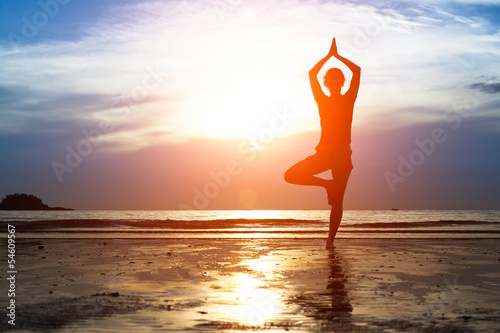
[(238, 103), (258, 304)]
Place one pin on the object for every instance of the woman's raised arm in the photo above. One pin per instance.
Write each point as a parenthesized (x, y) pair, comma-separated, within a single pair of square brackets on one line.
[(355, 69), (313, 73)]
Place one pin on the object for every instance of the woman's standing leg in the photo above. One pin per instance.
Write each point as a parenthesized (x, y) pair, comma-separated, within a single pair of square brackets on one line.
[(336, 199)]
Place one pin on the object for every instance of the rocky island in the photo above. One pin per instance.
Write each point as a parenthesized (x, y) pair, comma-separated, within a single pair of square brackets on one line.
[(22, 201)]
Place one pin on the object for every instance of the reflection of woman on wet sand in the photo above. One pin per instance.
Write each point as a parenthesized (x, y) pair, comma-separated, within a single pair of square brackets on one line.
[(330, 308), (333, 151)]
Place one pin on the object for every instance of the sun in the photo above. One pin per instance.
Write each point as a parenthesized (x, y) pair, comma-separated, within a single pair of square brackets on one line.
[(237, 106)]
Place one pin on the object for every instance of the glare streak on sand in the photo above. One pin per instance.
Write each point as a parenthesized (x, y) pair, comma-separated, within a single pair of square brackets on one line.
[(254, 304)]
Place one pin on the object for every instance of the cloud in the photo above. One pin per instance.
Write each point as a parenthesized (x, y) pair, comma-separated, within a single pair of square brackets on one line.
[(419, 60), (194, 41), (488, 88)]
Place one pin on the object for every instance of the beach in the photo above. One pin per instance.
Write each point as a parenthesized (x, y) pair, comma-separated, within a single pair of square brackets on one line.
[(252, 284)]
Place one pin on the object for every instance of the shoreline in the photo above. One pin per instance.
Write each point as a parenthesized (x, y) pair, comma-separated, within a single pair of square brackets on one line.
[(403, 285), (286, 236)]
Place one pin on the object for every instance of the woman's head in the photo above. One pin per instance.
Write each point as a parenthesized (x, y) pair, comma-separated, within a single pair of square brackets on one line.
[(334, 79)]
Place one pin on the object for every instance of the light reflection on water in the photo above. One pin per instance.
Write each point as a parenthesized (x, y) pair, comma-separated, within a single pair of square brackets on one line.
[(273, 291), (350, 216)]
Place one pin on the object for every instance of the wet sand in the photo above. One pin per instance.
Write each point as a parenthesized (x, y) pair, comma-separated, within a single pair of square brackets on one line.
[(294, 285)]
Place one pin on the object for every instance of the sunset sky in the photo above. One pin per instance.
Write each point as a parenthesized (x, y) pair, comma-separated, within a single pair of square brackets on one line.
[(204, 104)]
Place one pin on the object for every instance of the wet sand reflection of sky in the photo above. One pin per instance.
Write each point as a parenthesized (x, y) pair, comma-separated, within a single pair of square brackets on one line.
[(276, 291)]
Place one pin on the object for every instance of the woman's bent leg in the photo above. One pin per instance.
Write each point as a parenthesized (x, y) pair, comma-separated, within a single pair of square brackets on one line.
[(303, 172)]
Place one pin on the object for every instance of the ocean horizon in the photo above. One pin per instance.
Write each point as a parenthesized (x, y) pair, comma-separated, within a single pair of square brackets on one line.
[(254, 224)]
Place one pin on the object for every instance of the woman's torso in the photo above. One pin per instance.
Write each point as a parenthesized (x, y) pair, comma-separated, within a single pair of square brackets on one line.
[(335, 119)]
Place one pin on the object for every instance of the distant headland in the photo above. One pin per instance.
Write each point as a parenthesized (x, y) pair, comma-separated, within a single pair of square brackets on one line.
[(22, 201)]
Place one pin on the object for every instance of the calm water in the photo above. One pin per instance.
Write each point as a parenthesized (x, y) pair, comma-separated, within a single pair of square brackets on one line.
[(253, 223)]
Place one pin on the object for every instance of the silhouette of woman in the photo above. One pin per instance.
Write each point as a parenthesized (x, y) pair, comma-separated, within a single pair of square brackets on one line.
[(333, 151)]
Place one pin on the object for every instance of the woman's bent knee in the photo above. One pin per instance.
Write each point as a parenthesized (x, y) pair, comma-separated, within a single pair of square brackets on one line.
[(291, 176), (288, 176)]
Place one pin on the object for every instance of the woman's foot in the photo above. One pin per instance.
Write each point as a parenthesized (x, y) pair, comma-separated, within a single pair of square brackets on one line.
[(329, 244)]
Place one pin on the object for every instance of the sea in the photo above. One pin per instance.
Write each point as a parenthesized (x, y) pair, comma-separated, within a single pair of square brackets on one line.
[(461, 224)]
